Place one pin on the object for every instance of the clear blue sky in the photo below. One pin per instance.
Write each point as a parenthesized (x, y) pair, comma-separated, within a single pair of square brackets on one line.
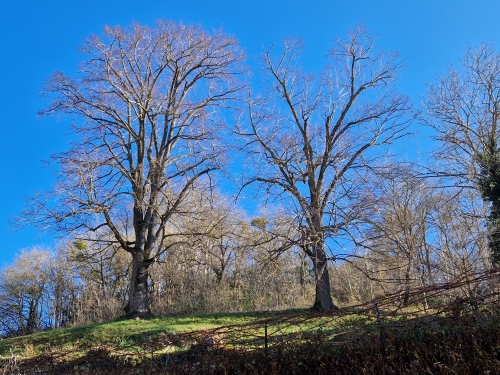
[(39, 37)]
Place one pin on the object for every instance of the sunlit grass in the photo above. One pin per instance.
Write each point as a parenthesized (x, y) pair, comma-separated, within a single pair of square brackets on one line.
[(157, 336), (128, 343), (124, 332)]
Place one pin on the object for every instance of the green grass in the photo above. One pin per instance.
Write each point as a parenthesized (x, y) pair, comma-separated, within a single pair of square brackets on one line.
[(124, 332), (300, 339)]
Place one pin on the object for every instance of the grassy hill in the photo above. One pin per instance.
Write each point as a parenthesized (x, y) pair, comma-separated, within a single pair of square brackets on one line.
[(119, 331), (346, 341), (129, 341)]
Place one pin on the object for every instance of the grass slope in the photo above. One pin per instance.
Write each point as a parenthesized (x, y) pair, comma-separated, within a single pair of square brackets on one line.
[(297, 342), (124, 332)]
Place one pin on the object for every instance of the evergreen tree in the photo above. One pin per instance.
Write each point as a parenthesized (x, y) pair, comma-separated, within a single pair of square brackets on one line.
[(489, 186)]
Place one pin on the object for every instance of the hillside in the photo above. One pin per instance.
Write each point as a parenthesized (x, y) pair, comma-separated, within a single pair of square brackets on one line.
[(366, 339)]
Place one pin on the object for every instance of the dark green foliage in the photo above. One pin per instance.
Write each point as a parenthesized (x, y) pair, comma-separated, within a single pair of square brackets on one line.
[(489, 186)]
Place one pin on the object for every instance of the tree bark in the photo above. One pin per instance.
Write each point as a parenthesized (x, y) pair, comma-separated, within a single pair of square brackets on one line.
[(138, 304), (323, 299), (406, 293)]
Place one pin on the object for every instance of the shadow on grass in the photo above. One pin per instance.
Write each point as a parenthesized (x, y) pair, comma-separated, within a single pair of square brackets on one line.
[(467, 345), (128, 331)]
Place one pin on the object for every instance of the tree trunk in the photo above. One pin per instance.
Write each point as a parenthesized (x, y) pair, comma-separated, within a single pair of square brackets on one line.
[(31, 323), (407, 284), (406, 293), (138, 304), (323, 300)]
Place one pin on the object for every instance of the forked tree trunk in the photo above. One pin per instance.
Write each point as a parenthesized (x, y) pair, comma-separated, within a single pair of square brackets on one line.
[(323, 300), (138, 303)]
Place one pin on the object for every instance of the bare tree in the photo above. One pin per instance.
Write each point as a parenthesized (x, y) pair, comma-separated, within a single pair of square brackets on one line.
[(144, 111), (400, 229), (211, 238), (102, 270), (463, 107), (312, 138), (460, 235), (25, 292)]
